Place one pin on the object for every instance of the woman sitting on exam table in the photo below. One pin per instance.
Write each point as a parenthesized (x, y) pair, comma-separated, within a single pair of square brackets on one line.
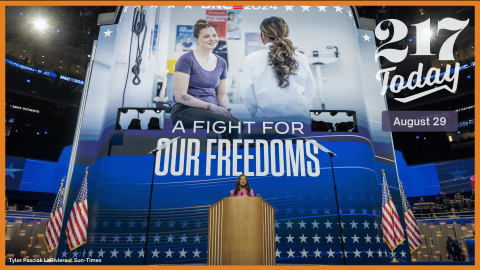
[(277, 80)]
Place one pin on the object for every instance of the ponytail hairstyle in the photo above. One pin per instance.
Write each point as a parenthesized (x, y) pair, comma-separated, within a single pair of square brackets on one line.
[(281, 52), (199, 25)]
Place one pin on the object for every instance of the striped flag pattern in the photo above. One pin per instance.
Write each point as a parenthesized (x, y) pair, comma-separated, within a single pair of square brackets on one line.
[(391, 225), (413, 233), (77, 222), (54, 226)]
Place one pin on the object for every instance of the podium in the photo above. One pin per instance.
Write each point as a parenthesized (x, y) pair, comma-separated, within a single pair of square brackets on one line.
[(241, 231)]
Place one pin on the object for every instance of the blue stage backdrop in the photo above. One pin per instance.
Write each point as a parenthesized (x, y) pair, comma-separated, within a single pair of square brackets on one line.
[(306, 229)]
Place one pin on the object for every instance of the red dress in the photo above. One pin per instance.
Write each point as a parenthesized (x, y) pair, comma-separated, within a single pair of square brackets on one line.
[(241, 193)]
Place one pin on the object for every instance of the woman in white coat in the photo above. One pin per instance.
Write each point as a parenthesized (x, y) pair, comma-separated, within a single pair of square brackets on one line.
[(276, 80)]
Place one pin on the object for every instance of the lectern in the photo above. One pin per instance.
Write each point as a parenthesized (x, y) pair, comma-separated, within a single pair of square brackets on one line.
[(241, 231)]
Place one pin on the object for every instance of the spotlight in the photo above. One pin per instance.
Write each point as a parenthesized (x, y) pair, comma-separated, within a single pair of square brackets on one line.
[(38, 133), (21, 13), (28, 80), (43, 55), (468, 77), (88, 55), (458, 132), (418, 137), (40, 24), (424, 138), (46, 132), (158, 111), (410, 40), (58, 30)]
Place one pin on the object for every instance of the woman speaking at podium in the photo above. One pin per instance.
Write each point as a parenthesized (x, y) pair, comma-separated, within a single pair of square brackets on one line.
[(242, 189)]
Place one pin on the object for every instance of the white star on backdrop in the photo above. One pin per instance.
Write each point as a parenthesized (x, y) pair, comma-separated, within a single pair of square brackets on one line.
[(277, 238), (157, 238), (64, 254), (380, 253), (131, 224), (328, 224), (375, 224), (337, 9), (90, 253), (127, 253), (171, 7), (290, 253), (129, 238), (141, 253), (317, 253), (304, 253), (302, 224), (315, 224), (367, 239), (290, 238), (118, 223), (184, 238), (190, 7), (169, 253), (170, 238), (114, 253), (196, 253), (329, 238), (321, 8), (289, 8), (370, 253), (316, 239), (354, 224), (357, 253), (355, 238), (305, 8), (378, 238), (100, 253), (327, 210), (330, 253), (303, 238), (289, 224), (107, 34), (366, 225), (75, 254), (403, 253), (277, 253), (349, 14), (182, 253), (366, 38), (197, 238)]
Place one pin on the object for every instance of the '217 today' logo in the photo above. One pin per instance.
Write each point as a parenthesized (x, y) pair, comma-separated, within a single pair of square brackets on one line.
[(398, 83)]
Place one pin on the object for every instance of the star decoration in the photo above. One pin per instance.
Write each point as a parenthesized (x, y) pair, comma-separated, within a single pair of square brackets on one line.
[(184, 238), (131, 224), (458, 174), (327, 210), (102, 239), (337, 9), (169, 253), (115, 238), (403, 253), (380, 253), (374, 211), (303, 239), (125, 10), (330, 253), (378, 239), (289, 224), (315, 224), (158, 224), (170, 238), (290, 253), (277, 238), (105, 224), (305, 8), (340, 211), (301, 210), (316, 239), (352, 210), (290, 238), (328, 224), (142, 238), (304, 253), (289, 8), (182, 253), (144, 224), (302, 224), (372, 198), (355, 238), (357, 253), (196, 253), (314, 210), (362, 197), (354, 224), (157, 239), (66, 242), (289, 211), (366, 225), (129, 238), (114, 253), (64, 254), (344, 238), (366, 37), (277, 253), (75, 254), (370, 253), (197, 224), (127, 253), (190, 7), (277, 225), (276, 210), (171, 7), (349, 13), (375, 224), (329, 238), (100, 253), (92, 239), (141, 253), (171, 224), (367, 239), (90, 253), (364, 210), (343, 223), (107, 34), (184, 224), (118, 224), (321, 8), (197, 238), (317, 253), (313, 198)]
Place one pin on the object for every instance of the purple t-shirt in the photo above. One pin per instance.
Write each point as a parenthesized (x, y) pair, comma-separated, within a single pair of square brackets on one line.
[(202, 83)]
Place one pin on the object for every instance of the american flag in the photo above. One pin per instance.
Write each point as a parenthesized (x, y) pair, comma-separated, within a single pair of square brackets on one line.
[(77, 222), (54, 226), (413, 233), (391, 225)]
